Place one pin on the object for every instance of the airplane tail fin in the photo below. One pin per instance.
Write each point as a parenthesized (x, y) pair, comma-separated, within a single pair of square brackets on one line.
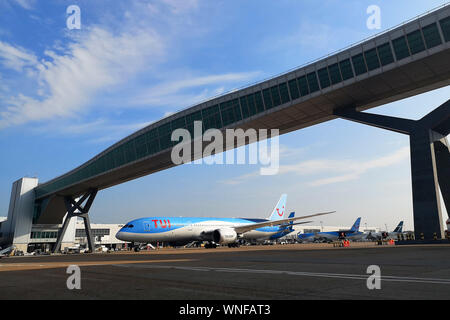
[(278, 211), (291, 224), (399, 227), (355, 227)]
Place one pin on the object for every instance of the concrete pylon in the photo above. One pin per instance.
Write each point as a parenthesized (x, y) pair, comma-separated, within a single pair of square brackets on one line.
[(75, 209), (430, 162), (442, 151)]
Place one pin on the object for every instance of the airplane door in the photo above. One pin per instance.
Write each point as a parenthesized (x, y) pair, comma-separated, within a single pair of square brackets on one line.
[(190, 228)]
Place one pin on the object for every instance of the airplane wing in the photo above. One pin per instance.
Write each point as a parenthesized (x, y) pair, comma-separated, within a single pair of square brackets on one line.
[(253, 226), (297, 223), (287, 225)]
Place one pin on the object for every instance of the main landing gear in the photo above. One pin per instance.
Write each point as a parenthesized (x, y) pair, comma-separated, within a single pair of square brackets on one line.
[(210, 245)]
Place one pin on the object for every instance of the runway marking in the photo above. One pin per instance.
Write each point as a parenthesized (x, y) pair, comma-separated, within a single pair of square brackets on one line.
[(52, 265), (295, 273)]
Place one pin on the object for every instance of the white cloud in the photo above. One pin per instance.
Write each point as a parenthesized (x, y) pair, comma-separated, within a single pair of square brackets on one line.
[(26, 4), (70, 78), (102, 130), (98, 59), (16, 58), (202, 81), (115, 132), (171, 93), (242, 179), (336, 170)]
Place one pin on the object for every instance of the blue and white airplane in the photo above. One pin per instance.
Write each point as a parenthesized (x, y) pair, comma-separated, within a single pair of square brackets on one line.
[(353, 233), (285, 229), (304, 237), (178, 231)]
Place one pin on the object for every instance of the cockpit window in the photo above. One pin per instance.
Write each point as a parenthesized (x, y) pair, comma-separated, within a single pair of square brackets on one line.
[(128, 226)]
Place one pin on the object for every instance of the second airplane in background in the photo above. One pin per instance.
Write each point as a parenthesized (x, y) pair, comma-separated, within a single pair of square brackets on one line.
[(386, 235), (353, 233)]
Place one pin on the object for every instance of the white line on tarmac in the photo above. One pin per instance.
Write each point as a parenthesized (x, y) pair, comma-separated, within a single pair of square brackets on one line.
[(293, 273)]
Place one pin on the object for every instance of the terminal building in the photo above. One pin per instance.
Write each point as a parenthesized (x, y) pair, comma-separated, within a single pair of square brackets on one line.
[(401, 62), (43, 237), (104, 235), (20, 230)]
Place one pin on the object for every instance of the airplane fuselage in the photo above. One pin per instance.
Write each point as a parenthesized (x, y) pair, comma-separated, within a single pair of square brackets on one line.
[(333, 235), (384, 235), (329, 236), (187, 229)]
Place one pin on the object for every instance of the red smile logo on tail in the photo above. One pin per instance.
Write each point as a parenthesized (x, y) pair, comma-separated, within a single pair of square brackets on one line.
[(282, 212)]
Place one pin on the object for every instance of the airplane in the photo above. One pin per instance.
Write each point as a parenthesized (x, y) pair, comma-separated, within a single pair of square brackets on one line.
[(353, 233), (287, 228), (179, 231), (386, 235), (305, 237)]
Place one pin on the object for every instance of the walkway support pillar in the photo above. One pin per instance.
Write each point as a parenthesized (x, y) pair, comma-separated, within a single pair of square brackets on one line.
[(75, 209), (430, 162), (442, 150)]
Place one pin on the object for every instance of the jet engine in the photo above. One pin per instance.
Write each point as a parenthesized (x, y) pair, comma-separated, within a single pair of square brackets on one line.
[(224, 236)]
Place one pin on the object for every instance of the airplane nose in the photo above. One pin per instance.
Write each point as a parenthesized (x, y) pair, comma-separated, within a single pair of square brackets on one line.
[(120, 235)]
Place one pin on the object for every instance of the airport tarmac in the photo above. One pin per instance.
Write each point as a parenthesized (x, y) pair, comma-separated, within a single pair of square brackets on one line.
[(296, 271)]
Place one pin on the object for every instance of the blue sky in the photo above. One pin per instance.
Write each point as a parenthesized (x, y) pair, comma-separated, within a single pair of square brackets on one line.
[(66, 95)]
